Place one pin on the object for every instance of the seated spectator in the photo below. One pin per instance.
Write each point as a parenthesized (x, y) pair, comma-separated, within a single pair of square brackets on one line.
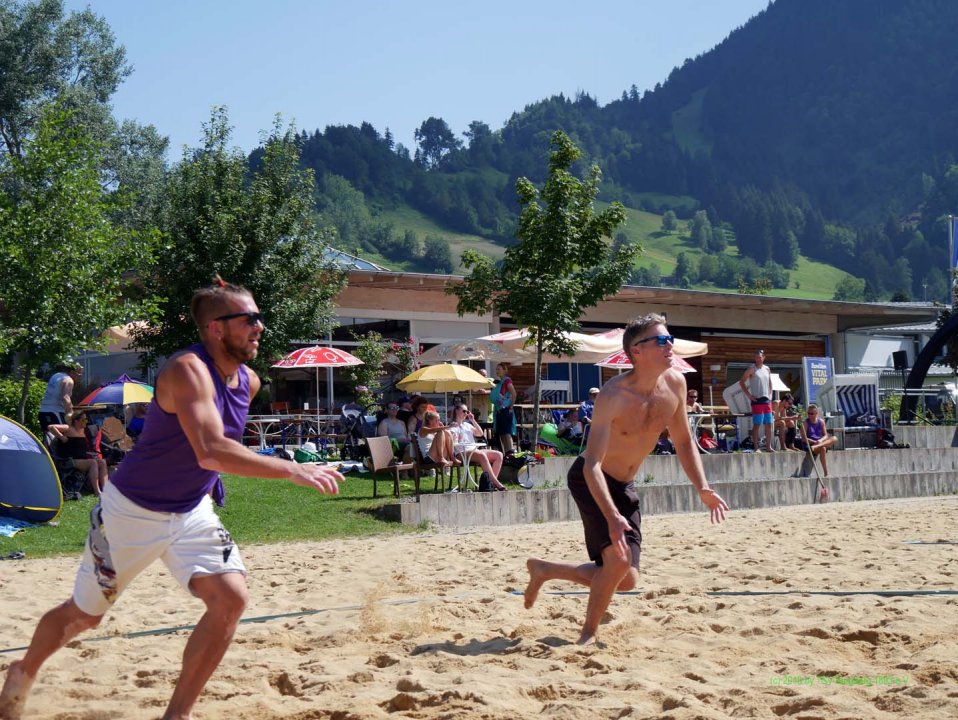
[(466, 428), (786, 417), (419, 407), (664, 444), (570, 428), (818, 438), (435, 441), (136, 417), (587, 406), (71, 442), (692, 404), (395, 429)]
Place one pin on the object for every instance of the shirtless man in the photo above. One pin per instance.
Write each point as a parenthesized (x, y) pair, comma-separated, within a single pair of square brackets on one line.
[(158, 504), (629, 415)]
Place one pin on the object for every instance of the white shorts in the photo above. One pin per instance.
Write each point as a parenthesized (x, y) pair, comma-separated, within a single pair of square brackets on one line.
[(126, 538)]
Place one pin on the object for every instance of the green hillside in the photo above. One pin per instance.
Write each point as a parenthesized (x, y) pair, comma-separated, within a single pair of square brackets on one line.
[(404, 217), (812, 280)]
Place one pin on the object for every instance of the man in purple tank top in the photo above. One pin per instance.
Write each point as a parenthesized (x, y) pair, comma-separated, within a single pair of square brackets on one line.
[(158, 504)]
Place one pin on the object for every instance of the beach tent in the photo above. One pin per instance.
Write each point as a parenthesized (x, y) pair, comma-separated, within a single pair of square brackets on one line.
[(29, 484)]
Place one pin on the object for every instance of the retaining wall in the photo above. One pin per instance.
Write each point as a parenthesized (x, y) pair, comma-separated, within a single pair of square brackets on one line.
[(745, 480)]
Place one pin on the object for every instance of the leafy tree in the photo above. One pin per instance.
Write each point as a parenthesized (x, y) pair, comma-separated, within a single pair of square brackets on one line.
[(46, 57), (436, 141), (366, 379), (341, 206), (684, 274), (253, 230), (701, 230), (669, 222), (62, 260), (563, 245), (437, 256), (850, 288)]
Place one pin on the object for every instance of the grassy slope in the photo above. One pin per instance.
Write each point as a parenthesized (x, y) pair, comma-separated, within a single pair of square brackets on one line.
[(815, 280)]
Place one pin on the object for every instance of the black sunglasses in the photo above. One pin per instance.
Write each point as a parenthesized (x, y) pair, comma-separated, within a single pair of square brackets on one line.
[(660, 340), (251, 317)]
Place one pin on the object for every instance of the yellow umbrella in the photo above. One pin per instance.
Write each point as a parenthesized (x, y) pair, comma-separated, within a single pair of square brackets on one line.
[(444, 378)]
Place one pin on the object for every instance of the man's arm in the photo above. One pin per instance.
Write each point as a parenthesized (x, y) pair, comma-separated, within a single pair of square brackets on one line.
[(602, 415), (688, 454), (186, 389), (744, 379), (66, 391)]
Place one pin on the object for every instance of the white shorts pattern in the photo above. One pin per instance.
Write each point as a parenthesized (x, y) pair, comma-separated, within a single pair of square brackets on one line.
[(126, 538)]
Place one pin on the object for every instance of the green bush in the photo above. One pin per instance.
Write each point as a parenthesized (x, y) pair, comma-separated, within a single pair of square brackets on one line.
[(10, 389)]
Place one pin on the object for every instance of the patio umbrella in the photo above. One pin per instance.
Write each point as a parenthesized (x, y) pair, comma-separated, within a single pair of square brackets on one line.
[(444, 378), (466, 350), (620, 361), (317, 357), (122, 391)]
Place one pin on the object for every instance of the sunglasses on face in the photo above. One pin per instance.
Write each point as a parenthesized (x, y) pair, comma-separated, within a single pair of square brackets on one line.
[(660, 340), (251, 317)]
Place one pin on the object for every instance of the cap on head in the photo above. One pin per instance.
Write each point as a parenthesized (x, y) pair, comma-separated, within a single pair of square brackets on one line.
[(593, 391)]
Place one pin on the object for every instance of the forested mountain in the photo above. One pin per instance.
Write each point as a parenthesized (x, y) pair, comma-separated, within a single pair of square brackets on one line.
[(820, 128)]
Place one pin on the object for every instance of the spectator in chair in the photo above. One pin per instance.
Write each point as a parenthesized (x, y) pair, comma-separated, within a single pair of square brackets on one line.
[(395, 429), (73, 442), (467, 430), (692, 404), (570, 428), (435, 441)]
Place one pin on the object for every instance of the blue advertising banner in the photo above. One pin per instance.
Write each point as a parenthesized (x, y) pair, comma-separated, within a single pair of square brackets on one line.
[(815, 373)]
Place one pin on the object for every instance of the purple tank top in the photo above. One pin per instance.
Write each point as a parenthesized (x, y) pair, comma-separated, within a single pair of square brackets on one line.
[(161, 471)]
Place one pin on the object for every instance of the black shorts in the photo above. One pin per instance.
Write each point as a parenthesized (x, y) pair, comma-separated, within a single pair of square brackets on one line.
[(626, 501), (503, 421)]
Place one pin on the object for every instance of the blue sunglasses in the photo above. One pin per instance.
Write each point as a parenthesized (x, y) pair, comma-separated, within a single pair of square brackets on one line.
[(660, 340)]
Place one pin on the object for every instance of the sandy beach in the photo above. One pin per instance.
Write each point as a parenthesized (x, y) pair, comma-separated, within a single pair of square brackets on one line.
[(427, 626)]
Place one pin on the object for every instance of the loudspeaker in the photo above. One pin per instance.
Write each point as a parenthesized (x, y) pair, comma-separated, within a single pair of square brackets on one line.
[(900, 359)]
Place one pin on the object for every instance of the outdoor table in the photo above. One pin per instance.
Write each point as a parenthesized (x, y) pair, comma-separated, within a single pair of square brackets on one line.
[(465, 450)]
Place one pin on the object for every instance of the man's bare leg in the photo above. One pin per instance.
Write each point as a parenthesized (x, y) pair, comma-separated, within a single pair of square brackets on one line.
[(602, 581), (225, 597), (55, 629)]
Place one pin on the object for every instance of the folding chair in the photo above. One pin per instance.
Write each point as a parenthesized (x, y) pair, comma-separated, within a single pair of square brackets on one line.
[(383, 461), (114, 442), (428, 464)]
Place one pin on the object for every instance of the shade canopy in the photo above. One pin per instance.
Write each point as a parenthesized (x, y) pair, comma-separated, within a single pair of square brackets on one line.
[(591, 348), (444, 378), (466, 350), (620, 361), (680, 347), (122, 391), (317, 357)]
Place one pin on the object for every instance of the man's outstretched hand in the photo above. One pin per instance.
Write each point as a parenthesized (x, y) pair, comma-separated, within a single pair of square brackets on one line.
[(322, 478), (716, 505)]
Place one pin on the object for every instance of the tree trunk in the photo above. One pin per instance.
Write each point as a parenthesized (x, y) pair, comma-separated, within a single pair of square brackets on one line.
[(535, 390), (24, 393)]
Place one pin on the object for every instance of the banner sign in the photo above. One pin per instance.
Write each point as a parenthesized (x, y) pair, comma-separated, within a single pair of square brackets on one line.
[(815, 373)]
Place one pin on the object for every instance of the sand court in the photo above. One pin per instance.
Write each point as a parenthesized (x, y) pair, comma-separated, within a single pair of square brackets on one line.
[(427, 626)]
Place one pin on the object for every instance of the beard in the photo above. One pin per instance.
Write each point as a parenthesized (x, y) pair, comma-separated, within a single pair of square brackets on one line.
[(241, 352)]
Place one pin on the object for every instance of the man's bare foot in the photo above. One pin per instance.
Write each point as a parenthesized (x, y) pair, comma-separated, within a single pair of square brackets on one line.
[(586, 638), (536, 578), (14, 695)]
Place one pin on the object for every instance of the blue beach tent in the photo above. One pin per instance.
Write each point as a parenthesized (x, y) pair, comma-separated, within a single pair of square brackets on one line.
[(29, 484)]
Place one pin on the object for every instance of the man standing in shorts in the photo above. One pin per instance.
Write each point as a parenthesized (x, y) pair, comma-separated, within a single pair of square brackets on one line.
[(630, 413), (157, 505), (757, 385)]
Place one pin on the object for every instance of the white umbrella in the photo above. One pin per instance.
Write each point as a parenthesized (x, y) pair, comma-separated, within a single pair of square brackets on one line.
[(466, 350)]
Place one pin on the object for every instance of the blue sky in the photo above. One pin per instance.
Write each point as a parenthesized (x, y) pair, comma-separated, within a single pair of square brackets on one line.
[(393, 63)]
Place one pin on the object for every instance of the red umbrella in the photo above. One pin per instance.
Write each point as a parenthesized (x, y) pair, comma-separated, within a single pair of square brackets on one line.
[(317, 357), (621, 361)]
